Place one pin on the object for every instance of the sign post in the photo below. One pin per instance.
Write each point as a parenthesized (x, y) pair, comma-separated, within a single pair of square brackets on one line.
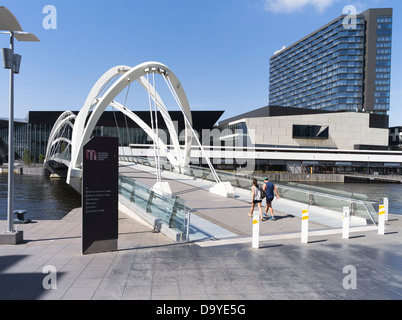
[(100, 195)]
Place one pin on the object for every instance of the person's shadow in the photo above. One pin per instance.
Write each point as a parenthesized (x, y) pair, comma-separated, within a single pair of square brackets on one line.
[(284, 217)]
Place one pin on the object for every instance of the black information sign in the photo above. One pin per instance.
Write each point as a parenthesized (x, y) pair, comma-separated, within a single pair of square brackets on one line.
[(100, 195)]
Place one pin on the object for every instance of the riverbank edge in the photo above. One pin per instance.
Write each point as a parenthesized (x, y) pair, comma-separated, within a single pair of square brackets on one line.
[(37, 170), (42, 170)]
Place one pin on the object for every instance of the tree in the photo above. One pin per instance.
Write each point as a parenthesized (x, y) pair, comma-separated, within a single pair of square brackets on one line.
[(27, 157), (41, 158)]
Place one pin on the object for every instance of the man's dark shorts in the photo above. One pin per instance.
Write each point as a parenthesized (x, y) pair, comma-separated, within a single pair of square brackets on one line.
[(269, 201)]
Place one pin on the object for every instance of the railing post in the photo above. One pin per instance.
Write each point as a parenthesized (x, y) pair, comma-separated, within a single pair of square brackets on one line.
[(150, 198), (352, 208), (174, 212), (345, 223), (132, 194), (311, 199), (188, 226)]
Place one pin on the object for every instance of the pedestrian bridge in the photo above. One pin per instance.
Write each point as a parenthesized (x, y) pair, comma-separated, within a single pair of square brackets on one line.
[(71, 132), (160, 197)]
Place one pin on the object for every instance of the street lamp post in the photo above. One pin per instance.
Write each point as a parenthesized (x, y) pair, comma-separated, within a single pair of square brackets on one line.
[(11, 152), (10, 24)]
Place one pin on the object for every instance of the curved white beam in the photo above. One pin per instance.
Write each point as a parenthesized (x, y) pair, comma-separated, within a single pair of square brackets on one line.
[(60, 139), (65, 118), (133, 74), (80, 121), (53, 150), (111, 84), (185, 108), (165, 114), (145, 127)]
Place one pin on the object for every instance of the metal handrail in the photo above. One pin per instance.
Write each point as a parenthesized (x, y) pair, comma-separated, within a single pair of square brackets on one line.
[(151, 196), (371, 217), (309, 192), (327, 195), (336, 197), (292, 188)]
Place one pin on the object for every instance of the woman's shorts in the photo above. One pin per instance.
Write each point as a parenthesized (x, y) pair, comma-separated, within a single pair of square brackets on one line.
[(257, 201)]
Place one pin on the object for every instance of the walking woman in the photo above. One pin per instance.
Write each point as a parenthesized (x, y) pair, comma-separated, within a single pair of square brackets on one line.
[(256, 198)]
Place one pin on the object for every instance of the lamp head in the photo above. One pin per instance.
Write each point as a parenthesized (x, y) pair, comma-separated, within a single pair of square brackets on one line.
[(8, 21), (8, 59), (17, 63)]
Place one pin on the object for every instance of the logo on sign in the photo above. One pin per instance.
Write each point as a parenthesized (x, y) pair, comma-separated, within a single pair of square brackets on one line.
[(91, 155)]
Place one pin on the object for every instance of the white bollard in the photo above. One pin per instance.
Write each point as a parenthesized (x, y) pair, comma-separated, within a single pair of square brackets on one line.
[(381, 220), (304, 230), (386, 206), (345, 223), (256, 230)]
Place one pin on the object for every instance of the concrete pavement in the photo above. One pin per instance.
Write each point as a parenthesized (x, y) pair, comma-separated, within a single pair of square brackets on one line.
[(149, 266)]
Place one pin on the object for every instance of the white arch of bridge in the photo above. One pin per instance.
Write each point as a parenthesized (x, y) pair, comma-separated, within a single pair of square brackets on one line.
[(102, 95), (56, 137)]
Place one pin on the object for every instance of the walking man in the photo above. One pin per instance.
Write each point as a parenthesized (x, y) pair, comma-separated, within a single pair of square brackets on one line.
[(269, 188)]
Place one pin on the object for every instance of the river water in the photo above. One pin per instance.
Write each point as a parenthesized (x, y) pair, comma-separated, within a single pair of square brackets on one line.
[(375, 192), (43, 198), (52, 199)]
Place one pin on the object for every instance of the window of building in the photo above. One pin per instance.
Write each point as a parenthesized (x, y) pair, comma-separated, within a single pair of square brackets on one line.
[(310, 132)]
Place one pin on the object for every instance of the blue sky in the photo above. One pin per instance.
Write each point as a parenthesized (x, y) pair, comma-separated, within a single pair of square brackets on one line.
[(219, 50)]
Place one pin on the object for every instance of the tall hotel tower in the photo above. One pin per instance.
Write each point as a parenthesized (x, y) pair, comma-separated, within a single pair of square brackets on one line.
[(344, 65)]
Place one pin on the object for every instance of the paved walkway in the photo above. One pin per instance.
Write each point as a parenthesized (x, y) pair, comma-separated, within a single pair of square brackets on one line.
[(230, 214), (149, 266), (221, 217)]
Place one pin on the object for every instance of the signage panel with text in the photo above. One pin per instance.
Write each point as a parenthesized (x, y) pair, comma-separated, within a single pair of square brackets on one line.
[(100, 195)]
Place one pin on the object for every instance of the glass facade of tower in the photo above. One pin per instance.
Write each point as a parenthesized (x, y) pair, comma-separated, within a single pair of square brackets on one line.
[(327, 69), (383, 63)]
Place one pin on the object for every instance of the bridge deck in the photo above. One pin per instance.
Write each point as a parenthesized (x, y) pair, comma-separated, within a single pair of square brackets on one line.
[(231, 214)]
